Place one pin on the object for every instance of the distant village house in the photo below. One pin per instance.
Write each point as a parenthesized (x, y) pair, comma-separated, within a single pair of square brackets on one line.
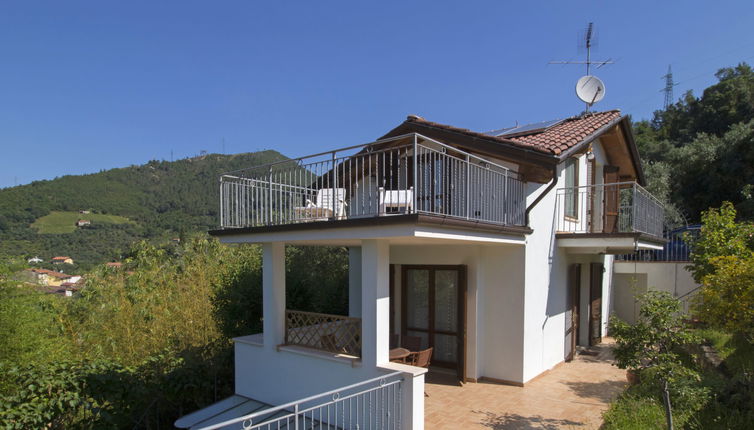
[(34, 260), (50, 278), (62, 260), (83, 222)]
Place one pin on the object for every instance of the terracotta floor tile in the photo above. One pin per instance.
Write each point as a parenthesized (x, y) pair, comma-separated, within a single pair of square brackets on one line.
[(571, 396)]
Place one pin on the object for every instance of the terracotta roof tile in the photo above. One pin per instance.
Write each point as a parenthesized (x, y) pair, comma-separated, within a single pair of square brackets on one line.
[(553, 140), (51, 273), (569, 133)]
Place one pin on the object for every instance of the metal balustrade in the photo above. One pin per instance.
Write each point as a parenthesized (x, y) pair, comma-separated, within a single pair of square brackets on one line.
[(401, 175), (371, 404), (678, 247), (621, 207), (332, 333)]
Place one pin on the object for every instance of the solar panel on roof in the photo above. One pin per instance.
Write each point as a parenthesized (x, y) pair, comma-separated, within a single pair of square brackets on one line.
[(537, 127)]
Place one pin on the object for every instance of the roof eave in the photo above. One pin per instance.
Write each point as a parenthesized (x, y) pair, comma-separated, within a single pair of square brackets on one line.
[(625, 124), (635, 157), (589, 139)]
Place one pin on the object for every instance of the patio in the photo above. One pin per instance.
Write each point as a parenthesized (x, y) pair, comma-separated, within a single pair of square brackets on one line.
[(571, 396)]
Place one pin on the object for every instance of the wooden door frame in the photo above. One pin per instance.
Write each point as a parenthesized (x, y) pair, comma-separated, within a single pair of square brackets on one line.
[(461, 303), (594, 287), (610, 192), (574, 293)]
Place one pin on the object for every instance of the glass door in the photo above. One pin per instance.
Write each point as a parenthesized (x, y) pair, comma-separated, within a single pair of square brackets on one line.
[(433, 310)]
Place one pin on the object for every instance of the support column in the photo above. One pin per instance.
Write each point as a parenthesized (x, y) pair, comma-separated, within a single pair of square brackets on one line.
[(375, 302), (354, 281), (414, 401), (273, 293)]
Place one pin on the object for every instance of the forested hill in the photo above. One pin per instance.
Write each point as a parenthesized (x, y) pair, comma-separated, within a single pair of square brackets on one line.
[(160, 199), (699, 152)]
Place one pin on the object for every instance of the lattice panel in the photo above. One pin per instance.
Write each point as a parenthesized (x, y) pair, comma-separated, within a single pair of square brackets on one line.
[(332, 333)]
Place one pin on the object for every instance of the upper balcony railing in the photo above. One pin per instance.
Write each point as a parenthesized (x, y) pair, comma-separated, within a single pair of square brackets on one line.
[(402, 175), (621, 207)]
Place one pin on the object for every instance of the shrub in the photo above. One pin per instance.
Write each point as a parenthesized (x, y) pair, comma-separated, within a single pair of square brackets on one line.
[(726, 299), (632, 412), (720, 236), (652, 347)]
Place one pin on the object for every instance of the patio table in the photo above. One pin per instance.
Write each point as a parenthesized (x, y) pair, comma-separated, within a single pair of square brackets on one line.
[(399, 354)]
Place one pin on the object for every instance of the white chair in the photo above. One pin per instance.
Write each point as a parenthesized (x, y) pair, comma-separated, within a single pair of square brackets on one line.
[(396, 200), (330, 202)]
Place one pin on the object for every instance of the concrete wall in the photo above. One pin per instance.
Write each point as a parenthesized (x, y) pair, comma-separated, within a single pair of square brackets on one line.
[(635, 277), (278, 377), (625, 289)]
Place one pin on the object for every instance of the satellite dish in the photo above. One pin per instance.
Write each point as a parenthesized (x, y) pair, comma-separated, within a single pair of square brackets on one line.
[(590, 89)]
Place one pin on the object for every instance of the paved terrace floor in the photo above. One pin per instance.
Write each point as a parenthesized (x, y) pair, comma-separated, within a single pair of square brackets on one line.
[(570, 396)]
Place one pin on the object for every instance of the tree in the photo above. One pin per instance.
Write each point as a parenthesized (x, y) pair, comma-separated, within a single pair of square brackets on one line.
[(726, 299), (700, 150), (720, 236)]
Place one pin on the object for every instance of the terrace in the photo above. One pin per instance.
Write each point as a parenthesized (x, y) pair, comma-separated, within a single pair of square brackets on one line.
[(409, 174)]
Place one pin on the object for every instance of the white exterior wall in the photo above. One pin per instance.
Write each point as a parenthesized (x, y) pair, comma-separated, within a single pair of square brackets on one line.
[(278, 377), (501, 314), (546, 277), (494, 302)]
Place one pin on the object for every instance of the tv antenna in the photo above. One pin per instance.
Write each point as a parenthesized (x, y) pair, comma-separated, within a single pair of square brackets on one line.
[(589, 89)]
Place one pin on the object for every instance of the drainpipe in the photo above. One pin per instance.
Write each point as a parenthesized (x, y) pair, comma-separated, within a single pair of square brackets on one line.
[(542, 194)]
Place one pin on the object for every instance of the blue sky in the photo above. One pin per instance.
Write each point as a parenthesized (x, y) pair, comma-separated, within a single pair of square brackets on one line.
[(93, 85)]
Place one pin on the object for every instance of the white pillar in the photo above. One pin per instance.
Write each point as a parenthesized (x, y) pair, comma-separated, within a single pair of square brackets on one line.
[(354, 281), (273, 293), (375, 302), (414, 402)]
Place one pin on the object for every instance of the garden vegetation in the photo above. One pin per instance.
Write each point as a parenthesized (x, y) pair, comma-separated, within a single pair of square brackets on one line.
[(146, 343)]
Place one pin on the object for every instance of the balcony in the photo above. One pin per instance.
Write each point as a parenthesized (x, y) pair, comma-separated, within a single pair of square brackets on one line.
[(614, 216), (409, 174)]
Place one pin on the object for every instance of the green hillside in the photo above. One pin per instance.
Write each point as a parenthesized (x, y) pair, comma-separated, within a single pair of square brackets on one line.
[(58, 222), (158, 200)]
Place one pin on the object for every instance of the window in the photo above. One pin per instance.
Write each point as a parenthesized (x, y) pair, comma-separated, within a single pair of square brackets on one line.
[(571, 188)]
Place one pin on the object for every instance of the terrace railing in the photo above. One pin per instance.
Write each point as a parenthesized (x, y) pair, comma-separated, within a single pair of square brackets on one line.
[(402, 175), (371, 404), (677, 249), (621, 207), (331, 333)]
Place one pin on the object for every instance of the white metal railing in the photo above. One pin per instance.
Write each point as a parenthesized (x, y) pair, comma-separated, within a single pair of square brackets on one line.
[(621, 207), (405, 174), (371, 404)]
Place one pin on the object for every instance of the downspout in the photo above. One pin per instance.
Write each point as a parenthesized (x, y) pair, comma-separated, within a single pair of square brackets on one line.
[(542, 194)]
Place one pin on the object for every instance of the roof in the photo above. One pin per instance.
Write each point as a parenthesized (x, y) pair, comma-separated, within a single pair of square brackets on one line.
[(555, 139), (564, 135), (52, 273), (230, 408), (61, 258)]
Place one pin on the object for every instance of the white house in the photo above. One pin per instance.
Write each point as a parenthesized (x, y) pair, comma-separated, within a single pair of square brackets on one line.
[(495, 249)]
